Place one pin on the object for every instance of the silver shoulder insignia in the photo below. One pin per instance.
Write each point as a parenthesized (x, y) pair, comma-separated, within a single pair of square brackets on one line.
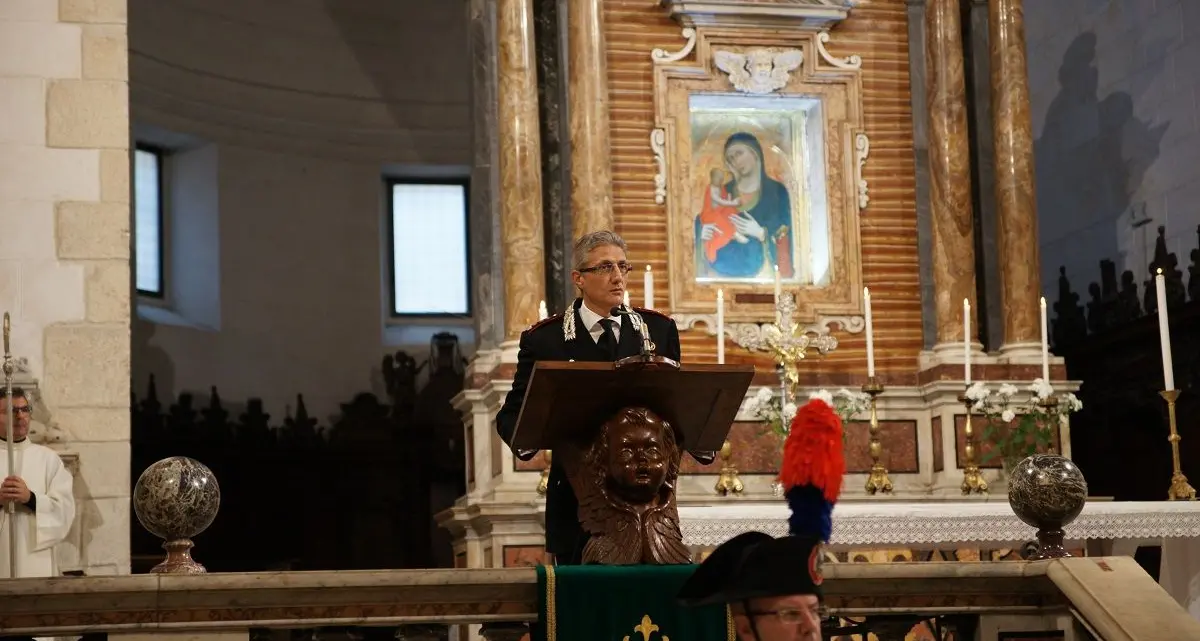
[(569, 324)]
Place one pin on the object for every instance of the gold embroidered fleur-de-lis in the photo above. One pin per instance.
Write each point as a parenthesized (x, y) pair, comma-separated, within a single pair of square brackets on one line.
[(646, 628)]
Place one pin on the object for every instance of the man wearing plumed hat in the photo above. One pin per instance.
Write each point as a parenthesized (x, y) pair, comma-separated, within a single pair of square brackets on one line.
[(773, 586)]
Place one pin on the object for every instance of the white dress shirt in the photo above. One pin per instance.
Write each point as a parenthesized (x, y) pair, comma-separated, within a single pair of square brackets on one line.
[(591, 320)]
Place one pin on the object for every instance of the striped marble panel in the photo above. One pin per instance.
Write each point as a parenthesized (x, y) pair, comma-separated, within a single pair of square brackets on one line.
[(876, 31)]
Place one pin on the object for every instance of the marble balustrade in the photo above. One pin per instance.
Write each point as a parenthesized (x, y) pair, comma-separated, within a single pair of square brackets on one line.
[(1046, 595), (232, 602)]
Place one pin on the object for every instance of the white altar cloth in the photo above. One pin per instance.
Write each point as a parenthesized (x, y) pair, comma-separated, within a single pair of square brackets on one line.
[(1175, 525), (943, 523)]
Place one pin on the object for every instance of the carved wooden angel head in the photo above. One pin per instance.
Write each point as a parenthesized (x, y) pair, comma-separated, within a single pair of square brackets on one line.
[(637, 454)]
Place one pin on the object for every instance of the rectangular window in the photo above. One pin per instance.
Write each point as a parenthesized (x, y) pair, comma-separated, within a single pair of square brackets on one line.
[(430, 262), (148, 220)]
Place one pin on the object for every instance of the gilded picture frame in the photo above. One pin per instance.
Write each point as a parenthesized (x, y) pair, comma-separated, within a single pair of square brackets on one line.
[(760, 145)]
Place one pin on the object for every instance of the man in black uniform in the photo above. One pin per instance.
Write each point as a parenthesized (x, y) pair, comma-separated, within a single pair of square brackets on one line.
[(587, 333)]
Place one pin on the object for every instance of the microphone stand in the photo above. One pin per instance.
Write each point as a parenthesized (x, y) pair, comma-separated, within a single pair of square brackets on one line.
[(647, 358), (635, 319)]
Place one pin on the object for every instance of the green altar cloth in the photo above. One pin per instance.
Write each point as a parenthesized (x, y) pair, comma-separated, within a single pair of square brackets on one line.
[(623, 603)]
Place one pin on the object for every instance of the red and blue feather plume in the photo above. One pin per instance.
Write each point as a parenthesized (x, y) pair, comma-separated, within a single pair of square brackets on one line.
[(812, 470)]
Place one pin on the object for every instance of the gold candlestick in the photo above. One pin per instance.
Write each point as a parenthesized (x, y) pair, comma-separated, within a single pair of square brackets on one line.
[(544, 481), (1180, 489), (878, 480), (972, 479), (728, 482)]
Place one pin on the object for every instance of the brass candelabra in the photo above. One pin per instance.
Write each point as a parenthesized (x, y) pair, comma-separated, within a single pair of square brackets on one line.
[(878, 480), (728, 482), (1180, 489), (544, 481), (972, 479)]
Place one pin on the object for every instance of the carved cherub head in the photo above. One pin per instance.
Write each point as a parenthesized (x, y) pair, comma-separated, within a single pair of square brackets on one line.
[(761, 64), (637, 454)]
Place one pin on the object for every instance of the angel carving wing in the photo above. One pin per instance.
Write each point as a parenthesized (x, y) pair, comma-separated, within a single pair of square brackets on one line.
[(733, 64), (664, 540), (616, 537)]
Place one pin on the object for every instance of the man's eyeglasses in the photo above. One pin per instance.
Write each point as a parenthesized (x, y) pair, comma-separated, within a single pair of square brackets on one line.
[(794, 616), (607, 268), (26, 410)]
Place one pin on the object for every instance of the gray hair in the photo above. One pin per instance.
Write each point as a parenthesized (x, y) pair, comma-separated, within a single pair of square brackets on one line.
[(592, 240)]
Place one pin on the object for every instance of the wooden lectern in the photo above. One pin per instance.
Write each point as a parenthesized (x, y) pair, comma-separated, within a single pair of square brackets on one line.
[(619, 430)]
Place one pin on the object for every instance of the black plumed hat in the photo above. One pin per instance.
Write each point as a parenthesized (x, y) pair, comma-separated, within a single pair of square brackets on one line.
[(755, 565)]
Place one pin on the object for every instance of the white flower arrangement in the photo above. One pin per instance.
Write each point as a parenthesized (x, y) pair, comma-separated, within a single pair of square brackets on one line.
[(768, 407), (1018, 430)]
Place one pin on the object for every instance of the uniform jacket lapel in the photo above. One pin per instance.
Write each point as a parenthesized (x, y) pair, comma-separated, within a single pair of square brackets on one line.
[(628, 344), (582, 347)]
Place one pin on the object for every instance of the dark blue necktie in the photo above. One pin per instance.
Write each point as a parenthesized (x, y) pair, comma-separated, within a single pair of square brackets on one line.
[(608, 340)]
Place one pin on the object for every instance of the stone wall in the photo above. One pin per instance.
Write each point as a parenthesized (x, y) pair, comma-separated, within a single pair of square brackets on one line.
[(278, 135), (1113, 98), (64, 208)]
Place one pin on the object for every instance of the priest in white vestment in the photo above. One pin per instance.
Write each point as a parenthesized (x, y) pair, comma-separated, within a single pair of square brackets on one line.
[(41, 487)]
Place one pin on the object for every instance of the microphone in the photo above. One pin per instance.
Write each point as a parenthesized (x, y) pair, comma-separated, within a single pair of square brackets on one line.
[(635, 319)]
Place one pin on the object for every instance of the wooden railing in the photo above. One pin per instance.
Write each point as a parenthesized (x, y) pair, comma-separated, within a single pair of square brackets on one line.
[(391, 456), (505, 600)]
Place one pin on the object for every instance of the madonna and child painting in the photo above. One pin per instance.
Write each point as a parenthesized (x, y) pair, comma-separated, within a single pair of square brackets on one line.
[(750, 173)]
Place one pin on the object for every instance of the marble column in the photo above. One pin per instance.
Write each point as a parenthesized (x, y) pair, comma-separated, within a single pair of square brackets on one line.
[(920, 124), (550, 32), (983, 158), (1012, 136), (949, 170), (587, 106), (521, 228), (485, 179)]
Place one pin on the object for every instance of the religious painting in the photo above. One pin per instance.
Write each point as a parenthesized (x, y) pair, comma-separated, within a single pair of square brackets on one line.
[(758, 196), (759, 145)]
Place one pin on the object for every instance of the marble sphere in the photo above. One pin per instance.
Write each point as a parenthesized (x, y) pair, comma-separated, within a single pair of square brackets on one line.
[(176, 498), (1047, 491)]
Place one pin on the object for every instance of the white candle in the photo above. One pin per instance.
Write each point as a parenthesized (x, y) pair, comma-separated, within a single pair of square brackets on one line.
[(542, 313), (1164, 331), (967, 341), (648, 286), (778, 294), (720, 327), (870, 334), (1045, 345), (626, 298)]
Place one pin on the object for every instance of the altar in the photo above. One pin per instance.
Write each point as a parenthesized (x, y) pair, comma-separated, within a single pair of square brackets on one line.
[(949, 525), (904, 528)]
